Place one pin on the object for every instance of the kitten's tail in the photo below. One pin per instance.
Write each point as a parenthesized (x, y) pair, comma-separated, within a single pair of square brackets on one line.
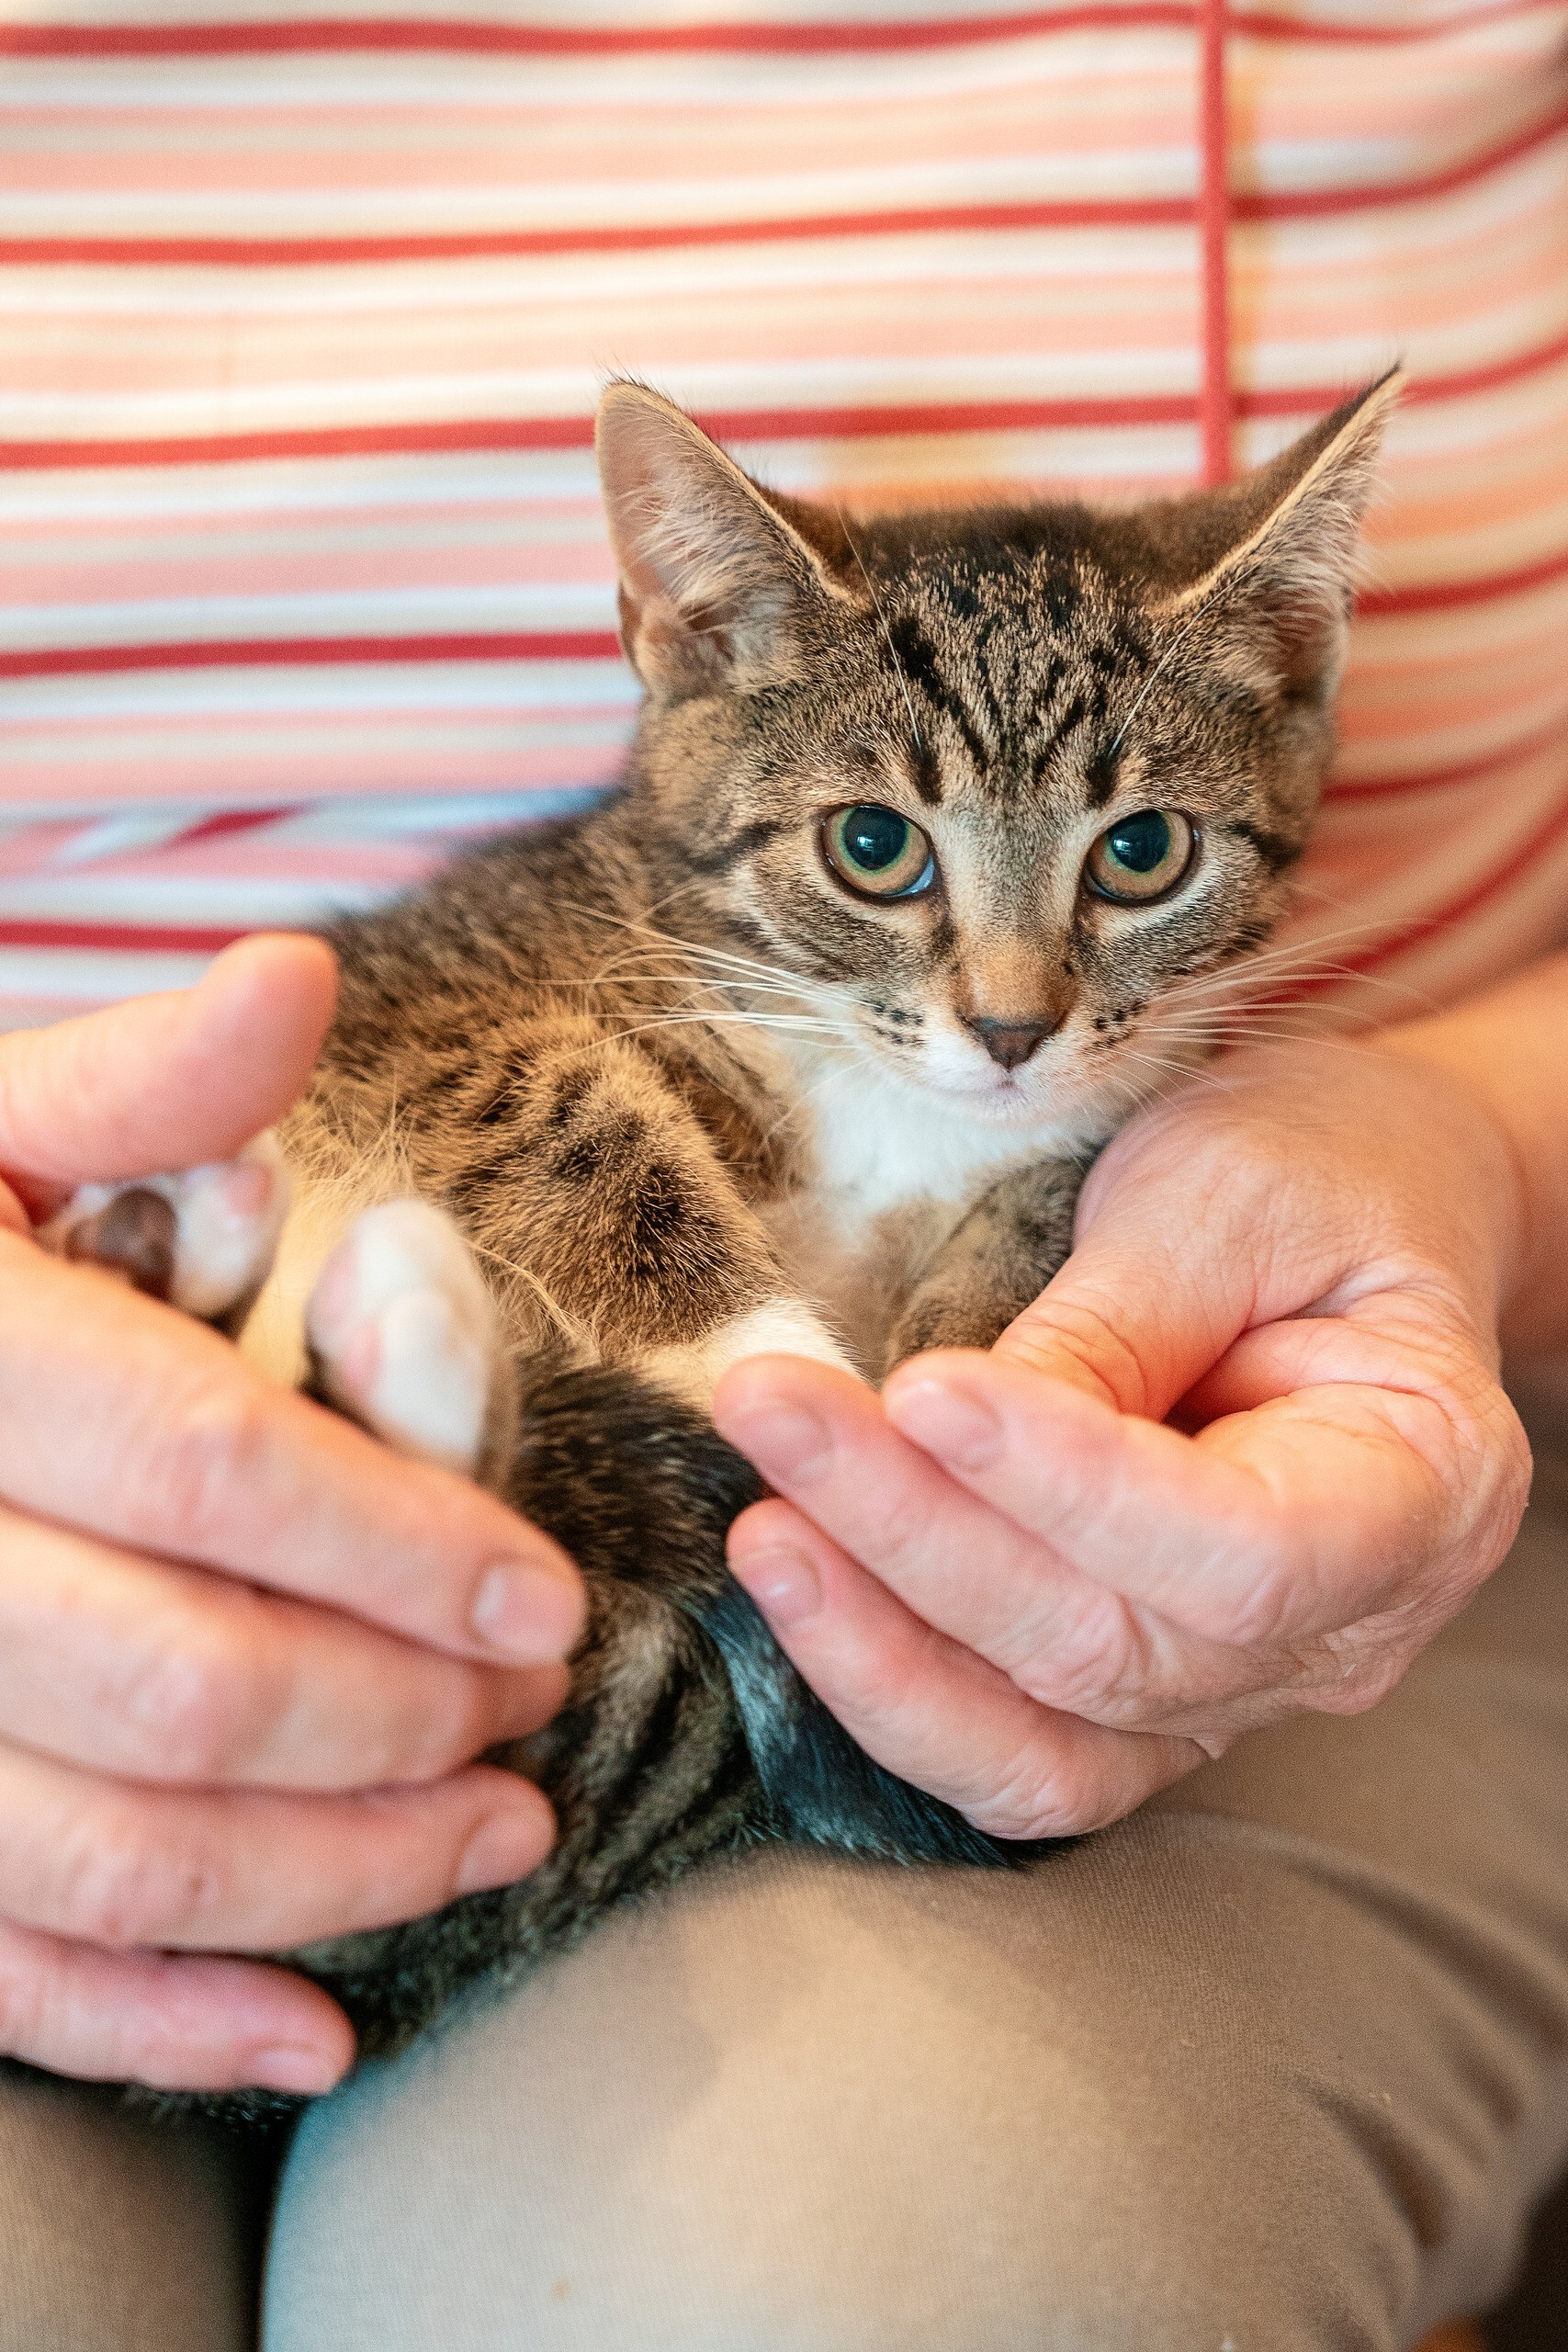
[(823, 1788)]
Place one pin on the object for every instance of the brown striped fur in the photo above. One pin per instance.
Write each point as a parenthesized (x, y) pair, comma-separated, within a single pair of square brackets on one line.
[(675, 1081)]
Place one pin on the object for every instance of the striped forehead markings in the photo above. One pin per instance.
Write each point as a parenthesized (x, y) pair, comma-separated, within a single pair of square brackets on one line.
[(916, 655)]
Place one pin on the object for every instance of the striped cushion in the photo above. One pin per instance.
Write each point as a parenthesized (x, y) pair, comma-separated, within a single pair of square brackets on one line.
[(305, 318)]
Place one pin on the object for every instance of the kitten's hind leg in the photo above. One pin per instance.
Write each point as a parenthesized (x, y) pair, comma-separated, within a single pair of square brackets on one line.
[(203, 1238)]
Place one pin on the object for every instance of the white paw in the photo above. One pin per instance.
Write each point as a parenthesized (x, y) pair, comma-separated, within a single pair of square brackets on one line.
[(404, 1332), (202, 1239)]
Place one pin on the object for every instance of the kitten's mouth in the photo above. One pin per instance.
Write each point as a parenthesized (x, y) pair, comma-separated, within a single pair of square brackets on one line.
[(1004, 1095)]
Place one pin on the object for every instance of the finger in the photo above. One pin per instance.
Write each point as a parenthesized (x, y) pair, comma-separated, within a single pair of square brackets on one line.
[(117, 1863), (158, 1672), (1385, 1341), (1063, 1637), (167, 1081), (173, 2023), (1240, 1534), (928, 1709), (146, 1428)]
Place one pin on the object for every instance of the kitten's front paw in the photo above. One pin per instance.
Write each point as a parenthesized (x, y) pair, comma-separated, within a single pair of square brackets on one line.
[(202, 1239), (403, 1334)]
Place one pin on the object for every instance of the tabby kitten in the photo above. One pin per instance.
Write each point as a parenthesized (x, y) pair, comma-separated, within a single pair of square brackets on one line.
[(801, 1041)]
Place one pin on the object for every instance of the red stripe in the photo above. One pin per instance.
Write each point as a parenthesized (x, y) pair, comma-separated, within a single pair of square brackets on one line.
[(228, 821), (1303, 204), (1449, 916), (1464, 382), (1459, 771), (874, 422), (1216, 406), (392, 34), (595, 645), (79, 661), (155, 939), (272, 253), (1446, 596), (268, 252)]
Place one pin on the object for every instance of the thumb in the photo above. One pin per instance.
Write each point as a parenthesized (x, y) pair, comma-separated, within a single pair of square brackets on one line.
[(1155, 1293), (168, 1080)]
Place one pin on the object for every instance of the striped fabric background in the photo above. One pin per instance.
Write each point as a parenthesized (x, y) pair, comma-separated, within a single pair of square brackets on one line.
[(302, 319)]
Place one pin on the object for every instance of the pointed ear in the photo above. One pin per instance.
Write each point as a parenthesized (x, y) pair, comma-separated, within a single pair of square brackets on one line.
[(714, 579), (1285, 584)]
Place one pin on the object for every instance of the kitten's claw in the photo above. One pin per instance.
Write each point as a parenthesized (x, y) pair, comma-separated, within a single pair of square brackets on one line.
[(403, 1333), (202, 1239)]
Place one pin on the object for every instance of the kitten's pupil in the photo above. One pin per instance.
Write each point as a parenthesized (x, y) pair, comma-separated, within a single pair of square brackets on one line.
[(875, 838), (1141, 842)]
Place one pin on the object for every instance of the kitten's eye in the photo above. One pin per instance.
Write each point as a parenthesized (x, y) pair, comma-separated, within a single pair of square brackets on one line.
[(1141, 856), (877, 852)]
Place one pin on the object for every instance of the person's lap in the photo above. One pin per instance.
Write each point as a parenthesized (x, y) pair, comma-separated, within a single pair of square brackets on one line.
[(118, 2234), (1282, 2060)]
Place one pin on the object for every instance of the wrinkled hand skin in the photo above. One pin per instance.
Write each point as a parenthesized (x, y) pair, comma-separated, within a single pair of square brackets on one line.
[(245, 1663), (1245, 1455)]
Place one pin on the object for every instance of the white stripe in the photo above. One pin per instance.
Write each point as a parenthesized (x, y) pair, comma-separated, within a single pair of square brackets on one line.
[(544, 606), (414, 686), (147, 895)]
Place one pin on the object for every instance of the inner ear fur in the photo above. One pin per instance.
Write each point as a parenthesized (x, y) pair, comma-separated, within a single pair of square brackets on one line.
[(1289, 537), (713, 579)]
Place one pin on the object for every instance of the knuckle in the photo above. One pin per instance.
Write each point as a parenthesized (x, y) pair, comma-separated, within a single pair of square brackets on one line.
[(1101, 1669), (1039, 1795), (1363, 1679), (1356, 1666), (1261, 1620), (460, 1714), (1512, 1469), (903, 1532), (1092, 1330), (210, 1450), (190, 1707), (119, 1887)]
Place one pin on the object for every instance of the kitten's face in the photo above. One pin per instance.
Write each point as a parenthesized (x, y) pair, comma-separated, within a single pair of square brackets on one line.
[(993, 787)]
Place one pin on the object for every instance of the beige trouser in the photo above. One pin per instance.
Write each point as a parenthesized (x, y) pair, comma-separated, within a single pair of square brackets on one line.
[(1278, 2065)]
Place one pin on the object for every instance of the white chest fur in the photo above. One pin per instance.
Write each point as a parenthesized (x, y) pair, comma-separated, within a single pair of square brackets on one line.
[(886, 1171)]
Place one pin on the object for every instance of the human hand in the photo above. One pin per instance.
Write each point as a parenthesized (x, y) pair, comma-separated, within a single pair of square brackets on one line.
[(246, 1654), (1244, 1457)]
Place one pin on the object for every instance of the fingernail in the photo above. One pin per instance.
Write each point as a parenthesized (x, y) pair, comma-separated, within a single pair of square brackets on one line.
[(501, 1849), (532, 1615), (949, 1422), (784, 1583), (290, 2066), (784, 1440)]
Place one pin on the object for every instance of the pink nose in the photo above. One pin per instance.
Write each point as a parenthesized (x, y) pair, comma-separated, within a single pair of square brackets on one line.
[(1010, 1042)]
